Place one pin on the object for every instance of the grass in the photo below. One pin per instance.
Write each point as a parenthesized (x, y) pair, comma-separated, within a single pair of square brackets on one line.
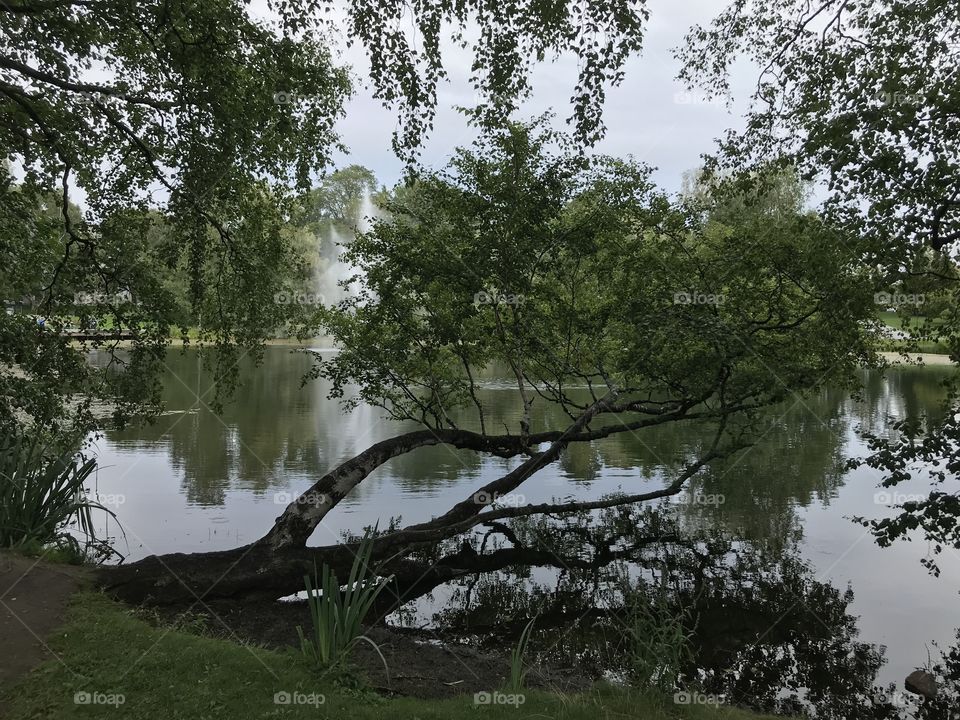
[(63, 553), (897, 322), (891, 319), (161, 672)]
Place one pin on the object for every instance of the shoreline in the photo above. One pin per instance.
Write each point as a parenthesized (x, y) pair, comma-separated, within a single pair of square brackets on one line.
[(911, 358), (178, 342), (893, 357)]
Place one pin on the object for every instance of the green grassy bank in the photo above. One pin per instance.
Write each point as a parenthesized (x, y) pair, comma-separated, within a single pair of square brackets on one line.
[(106, 653)]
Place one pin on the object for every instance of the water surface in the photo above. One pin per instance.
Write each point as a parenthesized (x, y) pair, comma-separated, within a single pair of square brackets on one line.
[(197, 481)]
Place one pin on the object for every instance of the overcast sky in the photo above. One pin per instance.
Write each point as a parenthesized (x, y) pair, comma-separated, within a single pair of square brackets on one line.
[(650, 115)]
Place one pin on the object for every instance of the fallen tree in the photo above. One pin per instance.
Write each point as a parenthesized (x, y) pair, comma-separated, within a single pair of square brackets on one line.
[(610, 305)]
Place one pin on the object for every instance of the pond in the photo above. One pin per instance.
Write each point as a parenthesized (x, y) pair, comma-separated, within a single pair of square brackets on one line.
[(198, 481)]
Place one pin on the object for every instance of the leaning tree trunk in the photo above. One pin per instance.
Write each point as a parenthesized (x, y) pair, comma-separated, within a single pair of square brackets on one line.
[(257, 572), (275, 565)]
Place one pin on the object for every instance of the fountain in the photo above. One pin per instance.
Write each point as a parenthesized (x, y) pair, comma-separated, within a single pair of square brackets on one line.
[(328, 280)]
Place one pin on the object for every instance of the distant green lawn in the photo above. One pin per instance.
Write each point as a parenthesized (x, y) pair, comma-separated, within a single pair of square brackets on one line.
[(895, 321), (891, 319), (106, 651)]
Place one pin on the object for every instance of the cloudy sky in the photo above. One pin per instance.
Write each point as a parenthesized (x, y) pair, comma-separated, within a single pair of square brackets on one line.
[(650, 115)]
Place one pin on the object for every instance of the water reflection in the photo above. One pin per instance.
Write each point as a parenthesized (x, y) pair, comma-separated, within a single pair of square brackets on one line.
[(195, 481), (764, 633), (275, 431)]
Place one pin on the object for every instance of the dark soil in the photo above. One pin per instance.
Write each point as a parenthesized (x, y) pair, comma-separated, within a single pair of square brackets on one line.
[(421, 663)]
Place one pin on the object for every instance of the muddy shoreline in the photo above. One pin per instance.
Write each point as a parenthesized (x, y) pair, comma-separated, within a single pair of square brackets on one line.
[(420, 663)]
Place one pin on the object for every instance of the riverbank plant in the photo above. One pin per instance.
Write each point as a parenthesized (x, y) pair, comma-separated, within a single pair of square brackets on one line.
[(42, 496), (659, 644), (337, 612), (518, 671)]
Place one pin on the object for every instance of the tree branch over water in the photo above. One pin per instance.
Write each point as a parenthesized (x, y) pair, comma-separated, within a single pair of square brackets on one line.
[(668, 337)]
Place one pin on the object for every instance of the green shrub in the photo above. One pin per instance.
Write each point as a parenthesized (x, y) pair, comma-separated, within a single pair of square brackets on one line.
[(42, 493)]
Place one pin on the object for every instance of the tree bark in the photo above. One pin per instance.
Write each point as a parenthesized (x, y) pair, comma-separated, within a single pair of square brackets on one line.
[(301, 517), (275, 565)]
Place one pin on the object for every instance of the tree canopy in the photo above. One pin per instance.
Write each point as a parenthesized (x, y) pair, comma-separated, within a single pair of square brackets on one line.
[(211, 120), (865, 96), (576, 272)]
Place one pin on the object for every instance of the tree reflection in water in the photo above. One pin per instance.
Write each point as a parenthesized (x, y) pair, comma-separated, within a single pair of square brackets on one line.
[(765, 633)]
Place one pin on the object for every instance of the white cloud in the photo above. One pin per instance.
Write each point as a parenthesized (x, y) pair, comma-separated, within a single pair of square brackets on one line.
[(644, 116)]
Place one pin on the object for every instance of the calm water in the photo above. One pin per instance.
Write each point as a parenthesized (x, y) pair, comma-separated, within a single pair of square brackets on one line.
[(196, 481)]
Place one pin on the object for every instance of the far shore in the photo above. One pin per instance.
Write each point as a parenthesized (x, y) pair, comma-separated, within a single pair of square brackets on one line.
[(178, 342), (897, 358)]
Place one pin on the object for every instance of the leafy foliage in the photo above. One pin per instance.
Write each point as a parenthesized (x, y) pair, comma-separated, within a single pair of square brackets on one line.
[(42, 492), (506, 38), (188, 129), (913, 447), (864, 95), (573, 271), (336, 199)]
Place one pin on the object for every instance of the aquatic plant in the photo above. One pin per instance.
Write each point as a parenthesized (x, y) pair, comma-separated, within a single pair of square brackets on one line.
[(42, 493), (337, 613), (518, 673)]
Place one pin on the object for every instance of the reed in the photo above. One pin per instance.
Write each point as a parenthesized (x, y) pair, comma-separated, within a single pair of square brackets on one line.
[(337, 613), (42, 493)]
